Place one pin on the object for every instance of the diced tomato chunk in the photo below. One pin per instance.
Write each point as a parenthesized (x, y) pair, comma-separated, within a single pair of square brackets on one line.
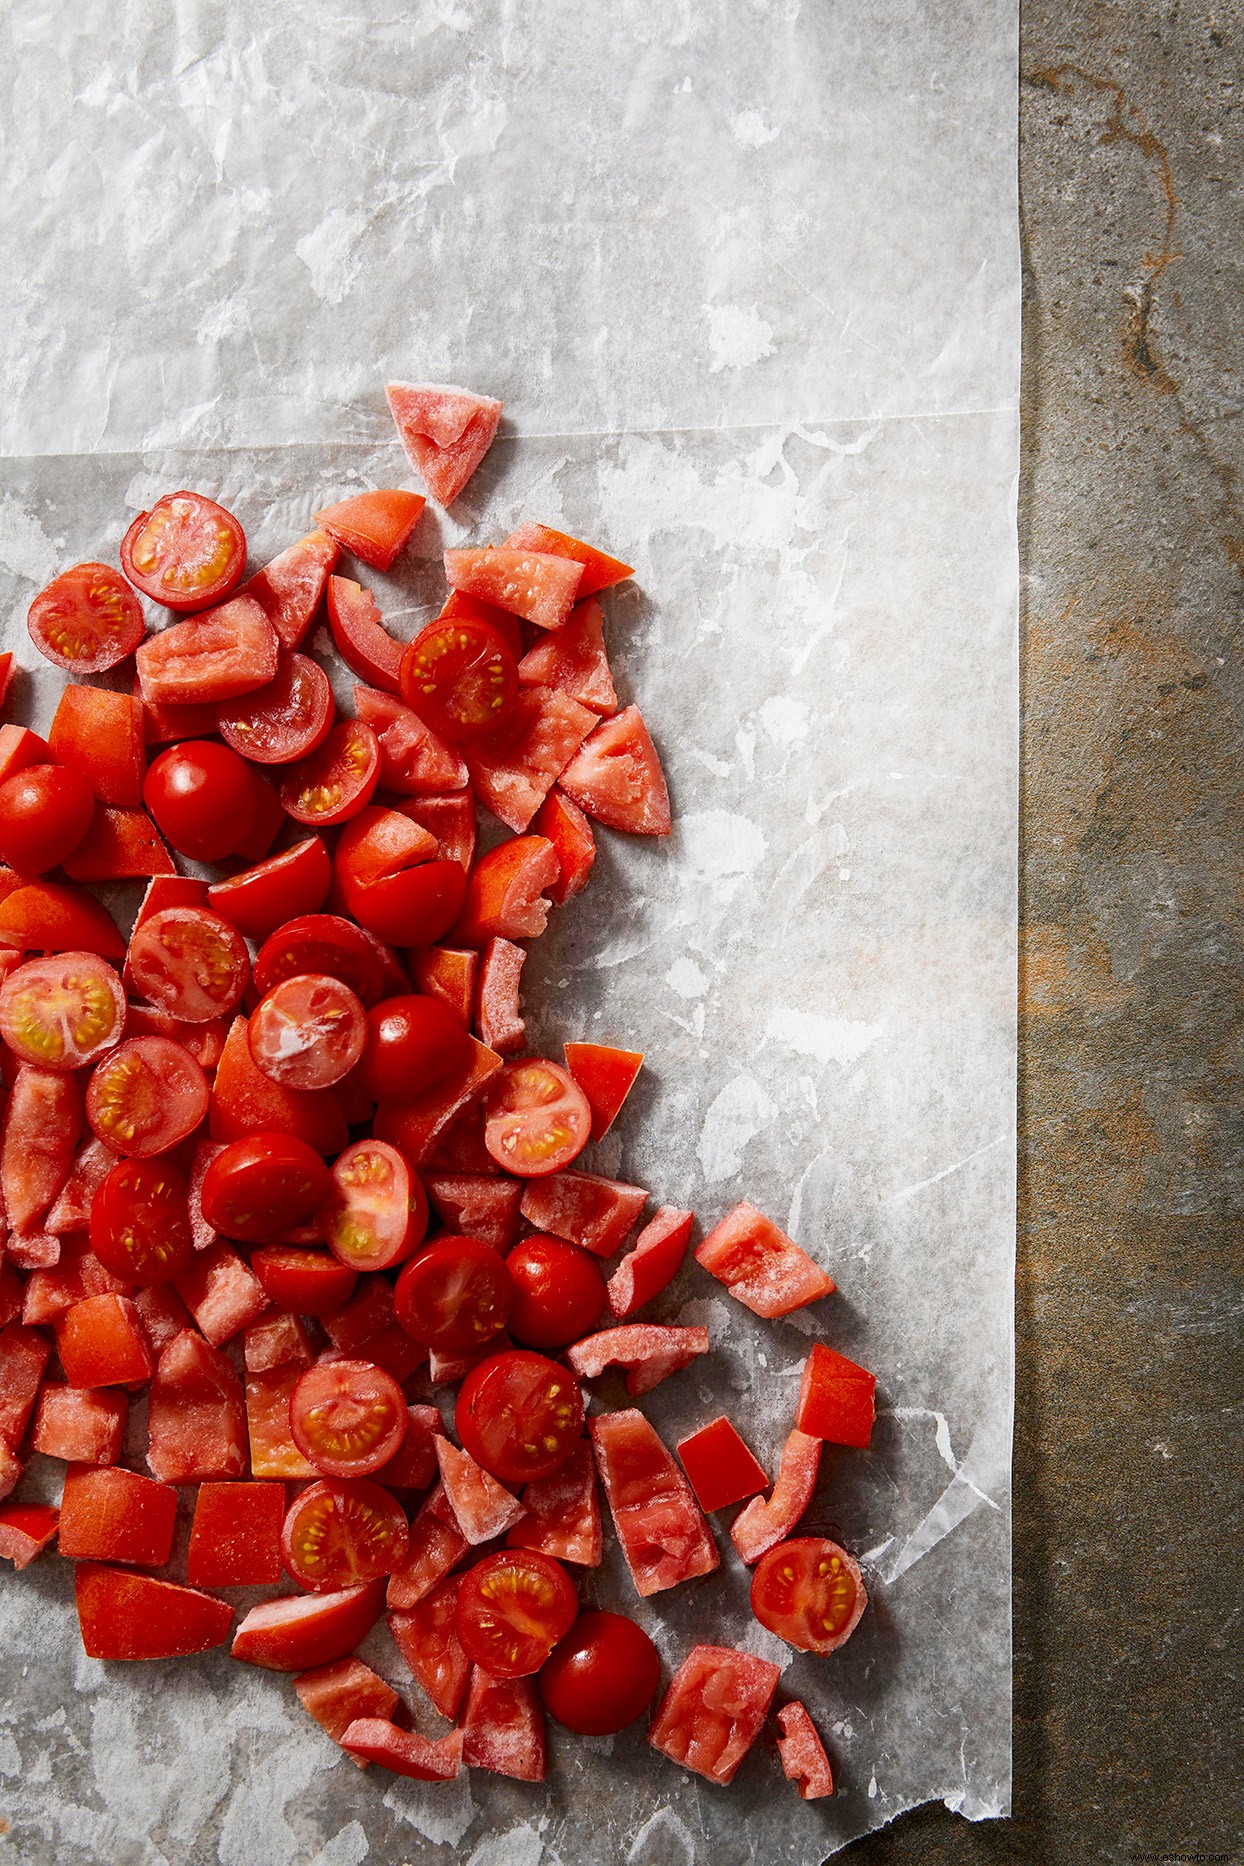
[(119, 845), (414, 761), (533, 584), (600, 570), (79, 1425), (163, 1314), (592, 1212), (373, 525), (405, 1752), (273, 1452), (714, 1710), (136, 1616), (360, 636), (101, 734), (102, 1343), (446, 432), (111, 1514), (20, 748), (655, 1261), (221, 1292), (802, 1752), (660, 1526), (42, 916), (562, 1513), (514, 775), (498, 1018), (223, 652), (298, 1631), (246, 1101), (436, 1545), (606, 1076), (760, 1265), (414, 1126), (504, 898), (24, 1354), (425, 1636), (339, 1694), (564, 824), (482, 1507), (289, 589), (573, 660), (196, 1414), (25, 1530), (277, 1339), (837, 1399), (41, 1132), (477, 1206), (616, 777), (503, 1727), (720, 1466), (413, 1466), (235, 1538), (261, 899), (765, 1522), (650, 1350)]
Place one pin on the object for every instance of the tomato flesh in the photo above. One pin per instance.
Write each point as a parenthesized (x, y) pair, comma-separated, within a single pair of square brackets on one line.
[(513, 1607), (287, 719), (146, 1096), (343, 1531), (62, 1012), (519, 1415), (460, 677), (308, 1031), (189, 962), (347, 1417), (86, 620), (260, 1186), (537, 1118), (308, 1282), (809, 1592), (375, 1211), (601, 1676), (322, 943), (455, 1297), (140, 1225), (337, 780), (186, 552)]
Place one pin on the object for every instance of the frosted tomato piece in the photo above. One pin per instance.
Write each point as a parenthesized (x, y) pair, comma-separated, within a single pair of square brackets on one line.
[(218, 655), (25, 1530), (714, 1710), (426, 1637), (290, 588), (405, 1752), (24, 1354), (562, 1513), (299, 1631), (504, 898), (837, 1399), (809, 1592), (590, 1211), (760, 1265), (414, 761), (514, 775), (338, 1694), (532, 584), (503, 1727), (477, 1206), (804, 1761), (221, 1292), (570, 833), (41, 1131), (655, 1261), (450, 818), (415, 1126), (135, 1616), (436, 1545), (482, 1507), (616, 777), (600, 570), (765, 1522), (196, 1414), (660, 1526), (650, 1351), (445, 430), (79, 1424), (573, 660), (498, 1018)]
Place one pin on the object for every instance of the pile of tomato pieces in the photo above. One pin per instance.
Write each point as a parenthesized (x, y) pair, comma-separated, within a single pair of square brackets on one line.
[(281, 1162)]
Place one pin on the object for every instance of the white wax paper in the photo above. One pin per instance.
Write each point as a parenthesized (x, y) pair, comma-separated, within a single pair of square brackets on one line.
[(746, 275)]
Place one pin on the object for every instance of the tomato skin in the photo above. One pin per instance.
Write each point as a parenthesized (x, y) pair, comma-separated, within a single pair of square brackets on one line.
[(299, 1631), (261, 899), (337, 780), (501, 1436), (375, 1211), (187, 552), (145, 1096), (837, 1398), (262, 1185), (348, 1418), (373, 525), (48, 918), (62, 1013), (801, 1584), (455, 1296), (45, 811), (601, 1676), (413, 1042), (513, 1608), (360, 636), (537, 1118), (461, 678), (86, 620), (100, 733), (140, 1227), (343, 1531), (308, 1031), (287, 719), (308, 1282), (123, 1615), (235, 1539), (559, 1292), (189, 962), (202, 797)]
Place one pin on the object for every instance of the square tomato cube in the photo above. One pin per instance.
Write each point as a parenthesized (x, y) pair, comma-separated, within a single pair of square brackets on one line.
[(721, 1468), (82, 1425), (273, 1451), (116, 1515), (221, 1292), (836, 1399), (235, 1539)]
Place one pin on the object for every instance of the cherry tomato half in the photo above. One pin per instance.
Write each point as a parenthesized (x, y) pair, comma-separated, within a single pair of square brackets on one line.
[(308, 1031), (601, 1676), (376, 1210), (455, 1297), (413, 1042), (519, 1415), (809, 1592), (558, 1292), (140, 1224), (342, 1531), (62, 1011), (87, 619), (512, 1609), (45, 811), (202, 797), (337, 780), (536, 1118), (145, 1096), (285, 720), (261, 1186), (347, 1418), (189, 962), (187, 552), (306, 1282), (260, 899), (460, 677), (322, 943)]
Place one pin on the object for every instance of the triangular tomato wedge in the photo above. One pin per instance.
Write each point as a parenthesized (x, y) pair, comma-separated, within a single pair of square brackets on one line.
[(573, 659), (373, 525), (600, 570), (606, 1077), (446, 432), (288, 590), (616, 777)]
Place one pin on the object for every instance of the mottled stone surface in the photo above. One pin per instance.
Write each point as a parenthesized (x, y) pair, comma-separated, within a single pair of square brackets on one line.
[(1127, 1604)]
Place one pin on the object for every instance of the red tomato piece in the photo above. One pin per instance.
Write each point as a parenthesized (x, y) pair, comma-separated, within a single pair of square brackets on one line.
[(375, 1211), (513, 1607), (63, 1012), (145, 1096), (479, 1207), (203, 797), (446, 432), (272, 1448), (260, 899), (460, 1147), (308, 1031), (714, 1710), (19, 748), (162, 724), (268, 819), (120, 845), (102, 1343), (189, 962), (606, 1076), (760, 1265), (86, 620), (435, 1547), (230, 650), (205, 1042), (414, 1125), (460, 676), (451, 819), (413, 1466), (235, 1538), (561, 1513), (837, 1399), (23, 1356), (25, 1531), (45, 811), (360, 636), (650, 1350), (563, 824), (373, 525), (340, 1694), (170, 891), (600, 571), (8, 669), (537, 1118), (78, 1425), (533, 584), (140, 1228), (414, 760), (482, 1508), (261, 1186), (220, 1292), (100, 734), (460, 608), (196, 1413), (504, 897), (337, 780), (721, 1467), (519, 1415), (310, 1282), (49, 918), (404, 1752), (802, 1753), (426, 1636), (573, 660), (322, 943), (41, 1132), (503, 1727), (288, 590), (246, 1101), (455, 1296), (655, 1261), (498, 1017), (287, 719), (162, 1313), (413, 1042), (763, 1523), (369, 1312), (277, 1339), (115, 1515), (559, 1292), (343, 1531), (513, 776), (348, 1417), (135, 1616), (187, 552), (616, 777), (593, 1212), (392, 880), (601, 1676), (299, 1631), (809, 1592), (660, 1526)]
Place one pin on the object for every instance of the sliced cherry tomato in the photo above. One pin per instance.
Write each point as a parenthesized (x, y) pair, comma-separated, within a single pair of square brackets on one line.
[(616, 777), (601, 1676), (446, 432), (347, 1417), (322, 943), (189, 962), (533, 584), (100, 734), (261, 899), (308, 1282), (308, 1031), (337, 780), (230, 650), (202, 796), (45, 811), (263, 1185), (455, 1297), (374, 525), (361, 638), (376, 1210), (513, 1608), (413, 1042), (343, 1531), (392, 880), (519, 1415), (288, 590), (146, 1096), (140, 1226), (87, 619), (62, 1012), (559, 1292), (537, 1118), (461, 677), (463, 608), (187, 552), (287, 719), (809, 1592), (600, 571)]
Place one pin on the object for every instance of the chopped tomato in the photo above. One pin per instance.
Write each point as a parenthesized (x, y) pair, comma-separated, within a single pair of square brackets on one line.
[(47, 918), (460, 1148), (361, 638), (498, 1016), (100, 734), (606, 1076), (460, 676), (654, 1263), (368, 1312), (459, 608), (337, 780), (405, 1752), (414, 761), (289, 718), (650, 1350), (220, 1292), (260, 1186), (760, 1265), (513, 1607), (558, 1292), (20, 747), (482, 1507), (110, 1514), (451, 819), (446, 432), (837, 1399), (503, 1727), (25, 1530), (802, 1753), (162, 724), (288, 590), (348, 1417), (260, 899), (720, 1466), (533, 584), (414, 1125), (616, 777), (203, 797), (80, 1425), (714, 1710), (660, 1526), (519, 1415), (809, 1592), (373, 525), (86, 620), (170, 891), (301, 1630), (272, 1448), (246, 1101), (600, 571), (189, 962), (230, 650), (563, 824), (436, 1546), (8, 668), (601, 1676), (413, 1466), (593, 1212), (120, 845), (561, 1513), (62, 1012), (140, 1228), (537, 1118), (481, 1207), (393, 881), (455, 1296), (235, 1538), (504, 894), (45, 811), (513, 776), (573, 660), (763, 1523), (427, 1638), (162, 1313), (322, 943), (276, 1339), (375, 1210), (339, 1694), (187, 552), (413, 1042), (342, 1531), (23, 1356), (196, 1413), (102, 1343), (134, 1616), (307, 1281), (308, 1031), (41, 1132), (145, 1096)]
